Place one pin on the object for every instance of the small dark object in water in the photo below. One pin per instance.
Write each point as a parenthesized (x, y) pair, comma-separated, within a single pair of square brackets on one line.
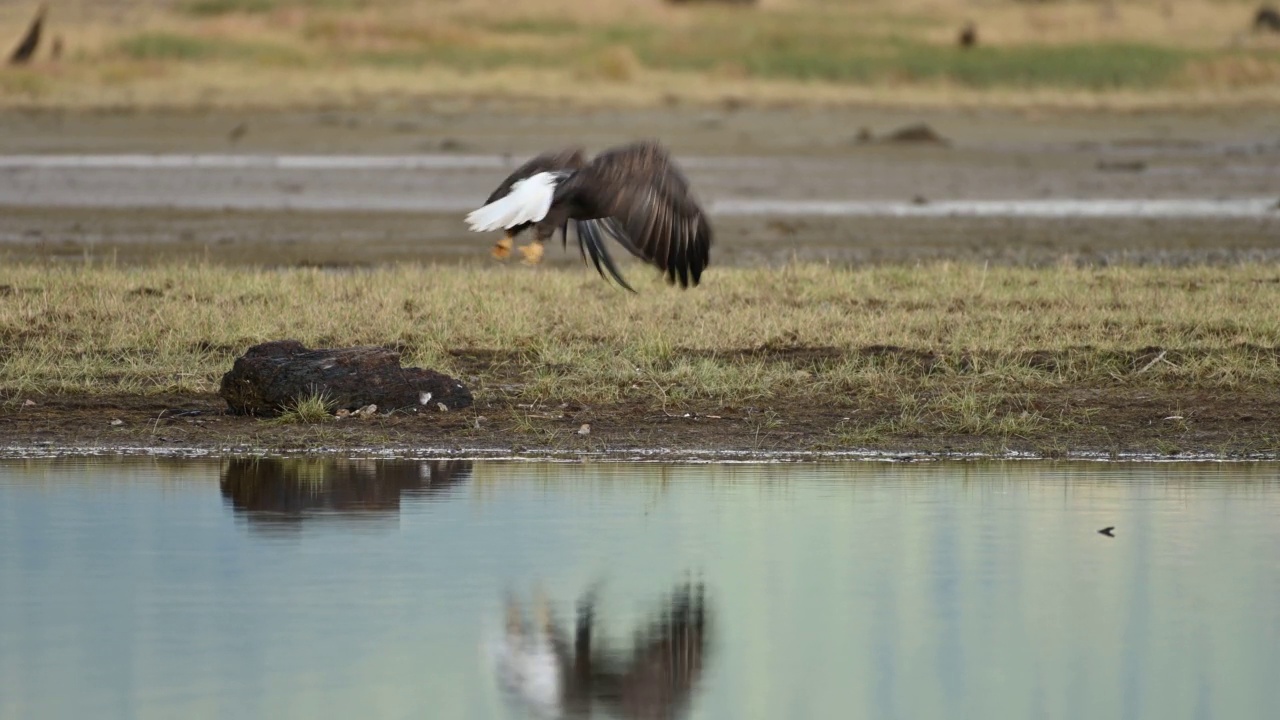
[(31, 41), (968, 36), (864, 136), (919, 133), (1121, 165), (919, 200), (1267, 18), (1109, 531), (238, 132), (271, 376)]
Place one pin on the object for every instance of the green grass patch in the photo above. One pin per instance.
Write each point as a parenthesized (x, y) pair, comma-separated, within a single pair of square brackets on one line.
[(549, 26), (453, 55), (799, 49), (1089, 67), (311, 409), (214, 8), (23, 83), (165, 46)]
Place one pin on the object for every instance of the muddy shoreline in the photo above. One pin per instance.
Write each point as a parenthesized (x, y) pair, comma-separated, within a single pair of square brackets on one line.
[(1137, 422)]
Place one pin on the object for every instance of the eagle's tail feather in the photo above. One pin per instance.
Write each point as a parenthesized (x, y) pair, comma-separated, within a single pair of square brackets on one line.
[(528, 201)]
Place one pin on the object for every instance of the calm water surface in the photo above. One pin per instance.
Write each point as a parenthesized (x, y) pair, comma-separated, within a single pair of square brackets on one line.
[(397, 589)]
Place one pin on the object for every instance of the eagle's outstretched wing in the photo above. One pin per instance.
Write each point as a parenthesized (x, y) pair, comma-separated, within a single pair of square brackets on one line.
[(563, 160), (591, 235), (647, 207)]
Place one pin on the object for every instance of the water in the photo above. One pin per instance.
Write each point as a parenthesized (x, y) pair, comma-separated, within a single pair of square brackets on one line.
[(320, 588)]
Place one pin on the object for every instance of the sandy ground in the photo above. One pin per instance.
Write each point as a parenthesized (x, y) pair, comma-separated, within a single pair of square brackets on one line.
[(259, 214)]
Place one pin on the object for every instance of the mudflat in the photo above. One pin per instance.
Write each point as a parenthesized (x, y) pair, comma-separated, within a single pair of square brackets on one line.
[(347, 188)]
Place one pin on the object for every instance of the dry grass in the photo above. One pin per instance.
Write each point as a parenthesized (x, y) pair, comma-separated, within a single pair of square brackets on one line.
[(285, 52), (311, 409), (954, 344)]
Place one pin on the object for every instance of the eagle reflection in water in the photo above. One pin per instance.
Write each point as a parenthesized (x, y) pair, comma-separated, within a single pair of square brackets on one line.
[(556, 676)]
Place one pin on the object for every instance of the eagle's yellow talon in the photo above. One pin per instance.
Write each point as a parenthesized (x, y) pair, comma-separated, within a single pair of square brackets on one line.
[(502, 250), (532, 253)]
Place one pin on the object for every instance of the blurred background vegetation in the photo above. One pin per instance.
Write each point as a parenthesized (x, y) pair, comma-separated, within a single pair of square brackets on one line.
[(286, 52)]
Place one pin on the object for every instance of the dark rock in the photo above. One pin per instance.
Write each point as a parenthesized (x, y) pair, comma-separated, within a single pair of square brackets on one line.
[(271, 376)]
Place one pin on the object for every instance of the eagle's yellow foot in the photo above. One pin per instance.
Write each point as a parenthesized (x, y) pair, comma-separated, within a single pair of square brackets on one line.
[(502, 250), (532, 253)]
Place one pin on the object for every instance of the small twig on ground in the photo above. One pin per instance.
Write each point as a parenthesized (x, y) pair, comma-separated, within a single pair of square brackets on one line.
[(1156, 360)]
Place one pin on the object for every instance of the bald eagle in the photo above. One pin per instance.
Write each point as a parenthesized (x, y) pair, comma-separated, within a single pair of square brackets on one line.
[(633, 194)]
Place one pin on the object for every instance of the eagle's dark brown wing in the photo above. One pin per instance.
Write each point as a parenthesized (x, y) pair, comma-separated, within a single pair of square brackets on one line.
[(657, 218), (568, 159)]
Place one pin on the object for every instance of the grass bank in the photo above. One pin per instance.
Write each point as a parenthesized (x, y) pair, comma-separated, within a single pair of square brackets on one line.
[(288, 52), (809, 356)]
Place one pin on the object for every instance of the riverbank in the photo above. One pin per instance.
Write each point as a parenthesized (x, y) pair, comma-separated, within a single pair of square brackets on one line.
[(936, 357)]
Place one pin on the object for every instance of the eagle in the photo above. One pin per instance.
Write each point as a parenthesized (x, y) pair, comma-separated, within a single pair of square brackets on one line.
[(633, 194)]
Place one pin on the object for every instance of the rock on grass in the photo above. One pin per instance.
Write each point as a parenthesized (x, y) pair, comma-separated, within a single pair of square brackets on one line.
[(271, 376)]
